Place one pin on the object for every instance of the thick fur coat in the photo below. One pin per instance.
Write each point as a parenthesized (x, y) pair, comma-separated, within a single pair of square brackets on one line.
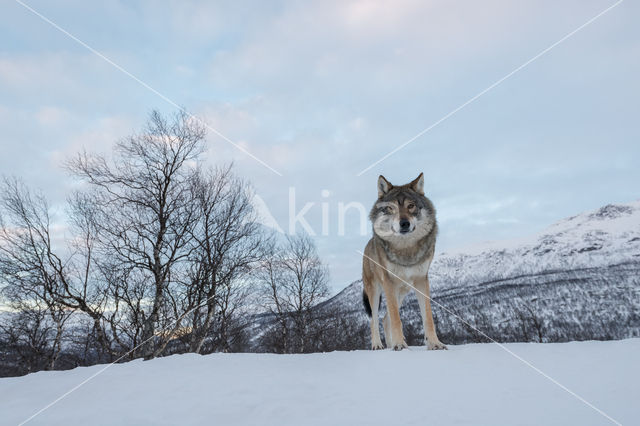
[(397, 259)]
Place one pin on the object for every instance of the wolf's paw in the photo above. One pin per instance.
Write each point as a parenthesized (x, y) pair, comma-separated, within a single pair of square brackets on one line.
[(399, 346), (376, 346), (435, 346)]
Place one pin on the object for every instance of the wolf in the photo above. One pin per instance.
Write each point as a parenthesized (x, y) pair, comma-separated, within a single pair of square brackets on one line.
[(400, 252)]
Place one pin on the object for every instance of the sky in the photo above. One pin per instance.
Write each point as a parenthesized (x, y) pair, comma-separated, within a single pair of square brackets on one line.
[(321, 91)]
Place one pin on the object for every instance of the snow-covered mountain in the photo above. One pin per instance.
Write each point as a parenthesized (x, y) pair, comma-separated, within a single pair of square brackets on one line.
[(578, 279), (609, 235)]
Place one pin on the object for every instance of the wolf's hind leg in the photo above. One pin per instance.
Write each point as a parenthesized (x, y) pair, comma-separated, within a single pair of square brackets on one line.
[(373, 293)]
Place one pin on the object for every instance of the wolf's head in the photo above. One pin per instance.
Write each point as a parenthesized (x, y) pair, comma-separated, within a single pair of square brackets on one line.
[(402, 214)]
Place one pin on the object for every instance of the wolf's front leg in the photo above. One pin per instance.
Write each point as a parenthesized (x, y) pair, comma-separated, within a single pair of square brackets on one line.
[(386, 325), (434, 346), (393, 310), (424, 299), (376, 343)]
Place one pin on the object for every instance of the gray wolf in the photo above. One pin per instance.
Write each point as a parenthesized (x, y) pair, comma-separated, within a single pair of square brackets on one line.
[(402, 248)]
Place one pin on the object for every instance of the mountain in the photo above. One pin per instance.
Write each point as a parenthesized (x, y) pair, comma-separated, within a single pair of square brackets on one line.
[(578, 279)]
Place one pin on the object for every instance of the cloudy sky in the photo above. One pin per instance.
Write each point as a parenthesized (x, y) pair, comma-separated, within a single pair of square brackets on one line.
[(320, 91)]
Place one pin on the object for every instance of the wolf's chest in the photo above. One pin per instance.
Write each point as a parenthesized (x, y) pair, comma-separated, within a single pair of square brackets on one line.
[(409, 273)]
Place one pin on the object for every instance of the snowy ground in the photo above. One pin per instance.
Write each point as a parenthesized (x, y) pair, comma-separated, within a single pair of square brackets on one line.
[(477, 384)]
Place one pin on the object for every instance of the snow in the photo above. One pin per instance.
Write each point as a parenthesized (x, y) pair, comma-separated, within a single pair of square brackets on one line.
[(469, 384)]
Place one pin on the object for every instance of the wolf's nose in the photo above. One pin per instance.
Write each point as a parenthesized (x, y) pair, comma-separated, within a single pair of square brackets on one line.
[(404, 225)]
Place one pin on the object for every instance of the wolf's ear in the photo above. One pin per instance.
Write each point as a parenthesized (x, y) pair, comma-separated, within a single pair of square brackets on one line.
[(418, 184), (383, 186)]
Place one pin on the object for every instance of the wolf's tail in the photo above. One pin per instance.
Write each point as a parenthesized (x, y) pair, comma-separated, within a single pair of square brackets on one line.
[(365, 302)]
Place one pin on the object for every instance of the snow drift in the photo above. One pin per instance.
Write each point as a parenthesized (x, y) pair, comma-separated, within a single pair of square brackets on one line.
[(477, 384)]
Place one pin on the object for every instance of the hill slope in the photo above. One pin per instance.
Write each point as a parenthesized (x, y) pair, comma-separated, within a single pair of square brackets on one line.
[(467, 385)]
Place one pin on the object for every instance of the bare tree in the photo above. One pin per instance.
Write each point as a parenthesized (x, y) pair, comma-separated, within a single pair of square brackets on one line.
[(294, 281), (227, 244), (530, 320), (34, 270), (33, 332), (145, 212), (156, 255)]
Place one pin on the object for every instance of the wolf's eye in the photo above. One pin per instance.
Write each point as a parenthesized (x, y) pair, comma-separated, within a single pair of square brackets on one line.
[(388, 210), (410, 206)]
